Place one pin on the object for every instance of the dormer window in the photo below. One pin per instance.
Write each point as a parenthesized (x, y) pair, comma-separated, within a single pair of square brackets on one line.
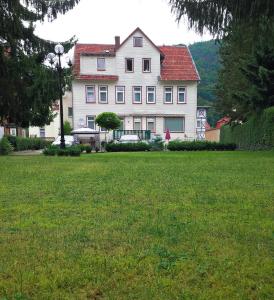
[(137, 41), (101, 64)]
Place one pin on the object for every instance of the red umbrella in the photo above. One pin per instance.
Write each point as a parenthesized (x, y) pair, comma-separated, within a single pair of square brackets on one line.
[(167, 134)]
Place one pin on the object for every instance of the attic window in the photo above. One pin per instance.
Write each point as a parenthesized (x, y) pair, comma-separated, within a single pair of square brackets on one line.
[(137, 41), (101, 64)]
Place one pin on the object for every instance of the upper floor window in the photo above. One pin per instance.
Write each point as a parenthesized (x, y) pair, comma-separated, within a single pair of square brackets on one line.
[(103, 94), (151, 94), (168, 94), (90, 94), (70, 112), (91, 122), (101, 64), (181, 94), (137, 94), (137, 41), (146, 65), (120, 94), (129, 65)]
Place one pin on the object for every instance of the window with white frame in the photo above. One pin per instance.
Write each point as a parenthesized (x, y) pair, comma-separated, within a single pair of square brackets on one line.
[(151, 94), (103, 94), (146, 65), (90, 94), (151, 124), (137, 123), (91, 122), (129, 65), (122, 124), (120, 94), (137, 41), (181, 94), (199, 124), (101, 64), (174, 124), (42, 132), (137, 94), (168, 94)]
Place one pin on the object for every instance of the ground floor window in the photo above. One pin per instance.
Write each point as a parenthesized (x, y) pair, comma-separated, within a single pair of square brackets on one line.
[(174, 124), (70, 112), (151, 124), (91, 122), (137, 123), (122, 124), (42, 132)]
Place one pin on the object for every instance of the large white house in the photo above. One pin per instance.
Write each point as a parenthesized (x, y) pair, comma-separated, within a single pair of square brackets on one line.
[(149, 87)]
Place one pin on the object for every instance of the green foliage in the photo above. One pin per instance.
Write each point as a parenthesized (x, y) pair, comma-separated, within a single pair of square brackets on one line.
[(255, 134), (28, 87), (138, 226), (74, 151), (21, 143), (88, 149), (206, 58), (127, 147), (67, 128), (51, 150), (216, 16), (5, 146), (108, 120), (62, 152), (199, 146), (157, 144)]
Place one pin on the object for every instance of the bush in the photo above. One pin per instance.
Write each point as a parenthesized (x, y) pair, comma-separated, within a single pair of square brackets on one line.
[(88, 149), (199, 146), (74, 151), (82, 147), (255, 134), (51, 150), (157, 144), (127, 147), (21, 143), (67, 128), (62, 152), (5, 146)]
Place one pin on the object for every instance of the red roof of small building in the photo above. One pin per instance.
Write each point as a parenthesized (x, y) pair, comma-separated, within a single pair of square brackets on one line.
[(177, 63), (223, 121)]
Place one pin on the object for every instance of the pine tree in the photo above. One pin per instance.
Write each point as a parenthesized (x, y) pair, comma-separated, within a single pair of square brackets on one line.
[(27, 87)]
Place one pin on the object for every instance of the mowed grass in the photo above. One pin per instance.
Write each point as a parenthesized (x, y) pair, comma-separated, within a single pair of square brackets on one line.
[(137, 226)]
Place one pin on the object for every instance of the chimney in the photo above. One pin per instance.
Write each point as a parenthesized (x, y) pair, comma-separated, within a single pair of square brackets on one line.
[(117, 42)]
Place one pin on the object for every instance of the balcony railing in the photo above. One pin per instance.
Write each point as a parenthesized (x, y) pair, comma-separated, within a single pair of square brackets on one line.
[(142, 134)]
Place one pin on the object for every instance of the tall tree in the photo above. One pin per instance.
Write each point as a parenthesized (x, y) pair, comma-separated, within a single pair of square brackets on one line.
[(27, 86)]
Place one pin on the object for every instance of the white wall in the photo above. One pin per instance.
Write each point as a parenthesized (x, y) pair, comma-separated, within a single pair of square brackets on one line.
[(1, 132), (137, 78)]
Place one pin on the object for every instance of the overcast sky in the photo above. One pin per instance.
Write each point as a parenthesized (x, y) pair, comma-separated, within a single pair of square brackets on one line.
[(98, 21)]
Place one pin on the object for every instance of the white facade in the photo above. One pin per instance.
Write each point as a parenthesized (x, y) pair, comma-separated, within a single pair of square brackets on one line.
[(52, 130), (180, 116)]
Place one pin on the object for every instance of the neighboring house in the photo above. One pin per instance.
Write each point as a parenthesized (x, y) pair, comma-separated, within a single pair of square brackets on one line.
[(52, 130), (202, 124), (213, 134), (150, 88)]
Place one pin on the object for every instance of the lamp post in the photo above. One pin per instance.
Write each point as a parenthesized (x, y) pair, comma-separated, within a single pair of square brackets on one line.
[(55, 59)]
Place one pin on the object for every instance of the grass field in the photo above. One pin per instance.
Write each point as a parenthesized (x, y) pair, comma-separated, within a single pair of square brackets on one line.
[(159, 226)]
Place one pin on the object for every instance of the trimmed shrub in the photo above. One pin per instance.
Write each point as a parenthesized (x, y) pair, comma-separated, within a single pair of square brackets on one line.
[(88, 149), (157, 144), (21, 143), (74, 151), (255, 134), (62, 152), (5, 146), (51, 150), (127, 147), (199, 146), (82, 147)]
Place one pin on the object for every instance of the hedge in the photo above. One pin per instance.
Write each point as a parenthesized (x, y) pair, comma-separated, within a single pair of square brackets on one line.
[(53, 150), (255, 134), (199, 146), (127, 147), (21, 143), (5, 146)]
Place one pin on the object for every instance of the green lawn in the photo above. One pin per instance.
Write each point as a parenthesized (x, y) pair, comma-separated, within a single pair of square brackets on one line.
[(138, 226)]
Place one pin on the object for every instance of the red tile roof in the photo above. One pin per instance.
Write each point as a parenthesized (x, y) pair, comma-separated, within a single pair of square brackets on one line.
[(178, 64)]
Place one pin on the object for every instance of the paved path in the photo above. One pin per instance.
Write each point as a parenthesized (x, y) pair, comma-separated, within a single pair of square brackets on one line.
[(27, 152)]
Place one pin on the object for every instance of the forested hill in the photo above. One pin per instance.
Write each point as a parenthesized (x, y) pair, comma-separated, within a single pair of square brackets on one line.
[(206, 57)]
